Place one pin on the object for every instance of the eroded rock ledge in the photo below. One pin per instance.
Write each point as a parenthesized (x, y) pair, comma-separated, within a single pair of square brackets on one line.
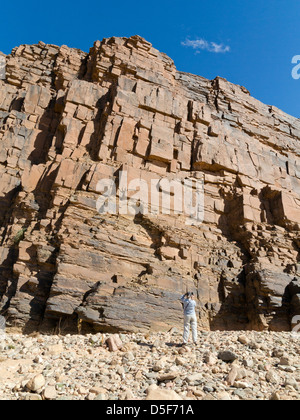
[(69, 119)]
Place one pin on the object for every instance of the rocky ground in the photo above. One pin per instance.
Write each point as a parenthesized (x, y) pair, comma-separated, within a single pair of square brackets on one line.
[(224, 365)]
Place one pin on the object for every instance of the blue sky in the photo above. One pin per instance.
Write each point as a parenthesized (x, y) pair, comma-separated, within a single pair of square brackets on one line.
[(248, 42)]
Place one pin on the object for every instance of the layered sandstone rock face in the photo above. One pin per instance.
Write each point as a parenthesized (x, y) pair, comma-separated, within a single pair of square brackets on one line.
[(69, 120)]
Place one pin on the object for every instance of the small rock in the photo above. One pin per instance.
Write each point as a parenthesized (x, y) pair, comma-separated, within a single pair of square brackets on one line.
[(243, 339), (272, 377), (101, 397), (209, 387), (278, 352), (158, 366), (199, 393), (36, 383), (114, 343), (180, 361), (292, 383), (56, 349), (170, 376), (97, 390), (275, 396), (249, 363), (223, 396), (127, 395), (286, 361), (32, 397), (242, 384), (82, 391), (194, 378), (156, 393), (210, 359), (49, 393), (232, 375), (227, 356), (128, 357), (173, 330)]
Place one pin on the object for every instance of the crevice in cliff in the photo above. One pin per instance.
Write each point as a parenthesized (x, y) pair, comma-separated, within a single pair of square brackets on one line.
[(154, 232), (36, 290), (103, 107), (9, 280), (48, 124), (43, 192), (38, 314), (232, 226), (216, 92), (232, 312), (7, 204)]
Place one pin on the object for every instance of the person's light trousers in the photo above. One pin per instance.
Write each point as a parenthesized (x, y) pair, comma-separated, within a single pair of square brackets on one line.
[(190, 321)]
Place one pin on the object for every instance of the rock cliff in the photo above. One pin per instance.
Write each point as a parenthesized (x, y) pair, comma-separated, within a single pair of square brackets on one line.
[(68, 120)]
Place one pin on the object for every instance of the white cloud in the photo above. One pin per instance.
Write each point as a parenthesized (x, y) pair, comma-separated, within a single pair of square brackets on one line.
[(202, 44)]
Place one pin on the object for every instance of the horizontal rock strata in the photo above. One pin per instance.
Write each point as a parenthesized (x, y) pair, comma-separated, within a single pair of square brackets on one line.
[(68, 120)]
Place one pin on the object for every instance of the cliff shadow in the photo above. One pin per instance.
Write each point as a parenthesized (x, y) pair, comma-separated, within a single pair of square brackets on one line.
[(103, 111), (8, 280), (231, 312), (154, 233), (48, 124), (44, 281)]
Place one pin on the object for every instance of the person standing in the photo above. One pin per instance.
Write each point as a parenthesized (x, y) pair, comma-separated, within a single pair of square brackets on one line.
[(190, 317)]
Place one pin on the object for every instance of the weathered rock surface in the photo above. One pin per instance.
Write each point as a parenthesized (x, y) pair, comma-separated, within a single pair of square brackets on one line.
[(69, 119)]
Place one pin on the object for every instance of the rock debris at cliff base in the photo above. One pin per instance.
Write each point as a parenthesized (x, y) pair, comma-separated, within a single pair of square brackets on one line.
[(223, 366), (69, 119)]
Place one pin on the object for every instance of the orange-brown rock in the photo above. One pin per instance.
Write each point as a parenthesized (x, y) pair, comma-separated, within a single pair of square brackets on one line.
[(70, 119)]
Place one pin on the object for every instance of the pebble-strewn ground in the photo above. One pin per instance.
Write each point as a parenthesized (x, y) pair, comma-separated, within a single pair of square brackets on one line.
[(224, 365)]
